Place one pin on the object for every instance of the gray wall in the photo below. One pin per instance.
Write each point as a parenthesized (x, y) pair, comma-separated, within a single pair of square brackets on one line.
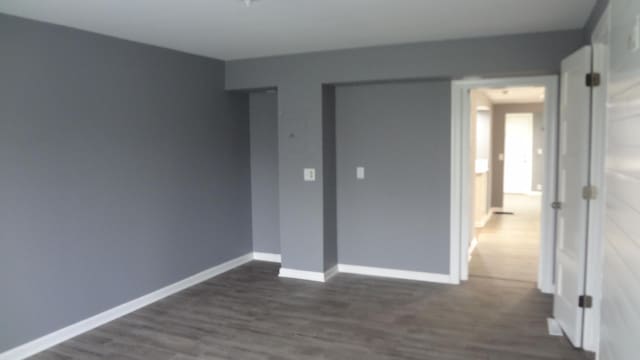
[(264, 172), (329, 181), (500, 112), (592, 22), (528, 54), (300, 80), (302, 208), (398, 216), (125, 168)]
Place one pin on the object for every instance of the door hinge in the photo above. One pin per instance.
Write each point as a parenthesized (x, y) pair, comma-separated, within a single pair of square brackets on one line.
[(589, 192), (593, 79), (585, 301), (556, 205)]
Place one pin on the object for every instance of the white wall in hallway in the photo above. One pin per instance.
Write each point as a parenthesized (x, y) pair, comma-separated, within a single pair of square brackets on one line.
[(518, 153)]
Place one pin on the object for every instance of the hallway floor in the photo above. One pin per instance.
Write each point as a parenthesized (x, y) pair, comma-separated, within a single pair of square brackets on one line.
[(508, 246)]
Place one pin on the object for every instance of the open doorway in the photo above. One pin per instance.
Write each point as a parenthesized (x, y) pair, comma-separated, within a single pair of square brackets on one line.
[(505, 130), (573, 153), (509, 172)]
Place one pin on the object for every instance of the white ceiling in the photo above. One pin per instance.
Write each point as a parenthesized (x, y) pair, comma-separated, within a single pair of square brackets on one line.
[(515, 95), (227, 29)]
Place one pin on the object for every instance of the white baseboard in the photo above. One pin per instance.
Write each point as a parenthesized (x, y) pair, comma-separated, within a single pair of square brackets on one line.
[(352, 269), (365, 270), (472, 247), (331, 272), (309, 275), (38, 345), (395, 274), (54, 338), (485, 219), (270, 257), (554, 327), (293, 273)]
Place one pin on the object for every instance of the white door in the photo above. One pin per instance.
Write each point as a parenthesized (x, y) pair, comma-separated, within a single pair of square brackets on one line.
[(518, 153), (573, 173)]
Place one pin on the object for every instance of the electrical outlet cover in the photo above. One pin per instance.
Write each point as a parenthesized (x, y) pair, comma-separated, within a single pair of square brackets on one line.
[(310, 174)]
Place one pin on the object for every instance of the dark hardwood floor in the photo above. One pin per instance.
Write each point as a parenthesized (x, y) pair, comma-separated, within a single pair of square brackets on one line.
[(249, 313)]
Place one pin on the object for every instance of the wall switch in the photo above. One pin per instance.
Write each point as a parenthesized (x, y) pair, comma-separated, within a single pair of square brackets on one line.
[(360, 172), (539, 151), (310, 174), (539, 187), (501, 157)]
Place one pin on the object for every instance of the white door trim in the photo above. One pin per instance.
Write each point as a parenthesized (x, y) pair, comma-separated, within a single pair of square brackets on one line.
[(461, 221)]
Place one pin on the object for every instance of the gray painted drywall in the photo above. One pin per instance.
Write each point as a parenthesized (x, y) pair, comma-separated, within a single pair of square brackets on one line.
[(264, 172), (592, 22), (500, 112), (329, 181), (300, 145), (300, 80), (125, 168), (398, 216), (529, 54)]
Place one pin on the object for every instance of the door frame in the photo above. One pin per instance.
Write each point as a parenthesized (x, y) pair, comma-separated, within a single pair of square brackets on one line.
[(461, 216)]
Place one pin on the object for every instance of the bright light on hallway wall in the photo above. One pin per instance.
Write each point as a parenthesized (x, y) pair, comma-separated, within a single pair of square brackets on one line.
[(248, 3)]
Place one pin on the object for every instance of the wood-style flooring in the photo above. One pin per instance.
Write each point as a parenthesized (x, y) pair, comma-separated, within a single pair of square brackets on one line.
[(509, 245), (249, 313)]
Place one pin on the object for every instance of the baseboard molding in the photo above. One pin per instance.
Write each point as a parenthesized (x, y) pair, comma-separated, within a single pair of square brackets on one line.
[(308, 275), (554, 327), (472, 247), (485, 219), (331, 272), (395, 274), (364, 270), (353, 269), (270, 257), (52, 339), (40, 344)]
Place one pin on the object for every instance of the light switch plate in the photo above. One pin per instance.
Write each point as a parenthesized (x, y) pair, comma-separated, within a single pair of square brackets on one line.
[(360, 172), (309, 174)]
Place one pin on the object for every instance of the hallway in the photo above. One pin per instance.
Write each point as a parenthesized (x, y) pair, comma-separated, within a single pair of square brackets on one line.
[(508, 246)]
